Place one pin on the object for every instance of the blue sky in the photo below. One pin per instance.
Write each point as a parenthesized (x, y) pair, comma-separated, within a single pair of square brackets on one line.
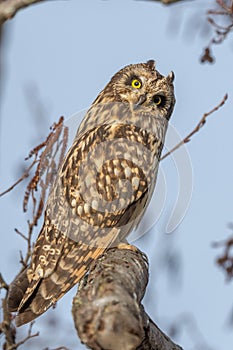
[(57, 57)]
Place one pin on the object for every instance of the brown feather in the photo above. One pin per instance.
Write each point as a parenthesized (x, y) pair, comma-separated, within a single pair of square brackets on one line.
[(102, 189)]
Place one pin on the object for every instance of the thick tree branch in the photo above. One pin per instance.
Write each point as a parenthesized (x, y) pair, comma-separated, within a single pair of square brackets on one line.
[(8, 8), (107, 309)]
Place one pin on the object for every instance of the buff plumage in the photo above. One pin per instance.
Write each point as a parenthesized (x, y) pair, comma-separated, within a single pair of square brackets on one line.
[(102, 189)]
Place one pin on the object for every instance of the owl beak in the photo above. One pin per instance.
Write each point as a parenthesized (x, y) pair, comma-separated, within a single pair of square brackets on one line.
[(141, 100)]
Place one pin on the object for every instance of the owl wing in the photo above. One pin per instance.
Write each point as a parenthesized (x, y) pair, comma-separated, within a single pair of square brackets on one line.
[(99, 196)]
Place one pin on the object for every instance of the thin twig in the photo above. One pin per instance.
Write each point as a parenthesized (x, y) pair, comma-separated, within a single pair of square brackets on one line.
[(166, 2), (24, 176), (6, 326), (22, 260), (197, 128), (46, 168), (21, 234), (3, 284), (30, 335), (225, 260), (221, 32)]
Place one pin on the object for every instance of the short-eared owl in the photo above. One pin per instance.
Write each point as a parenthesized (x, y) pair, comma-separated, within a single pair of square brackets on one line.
[(102, 188)]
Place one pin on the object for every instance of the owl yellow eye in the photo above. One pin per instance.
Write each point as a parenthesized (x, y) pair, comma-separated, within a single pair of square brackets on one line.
[(136, 84)]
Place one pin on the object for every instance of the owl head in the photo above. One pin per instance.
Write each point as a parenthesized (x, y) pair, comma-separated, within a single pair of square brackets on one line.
[(142, 86)]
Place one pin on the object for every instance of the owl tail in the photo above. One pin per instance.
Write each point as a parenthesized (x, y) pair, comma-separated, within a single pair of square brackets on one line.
[(34, 307), (20, 297), (33, 299), (37, 298), (17, 291)]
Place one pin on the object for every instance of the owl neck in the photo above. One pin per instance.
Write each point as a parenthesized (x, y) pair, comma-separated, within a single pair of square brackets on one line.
[(114, 112)]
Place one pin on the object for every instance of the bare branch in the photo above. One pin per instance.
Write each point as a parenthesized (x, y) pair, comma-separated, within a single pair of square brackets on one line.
[(9, 8), (21, 234), (225, 260), (197, 127), (6, 326), (28, 238), (24, 176), (221, 32), (107, 308), (46, 167), (167, 2), (3, 284), (30, 335), (9, 330)]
